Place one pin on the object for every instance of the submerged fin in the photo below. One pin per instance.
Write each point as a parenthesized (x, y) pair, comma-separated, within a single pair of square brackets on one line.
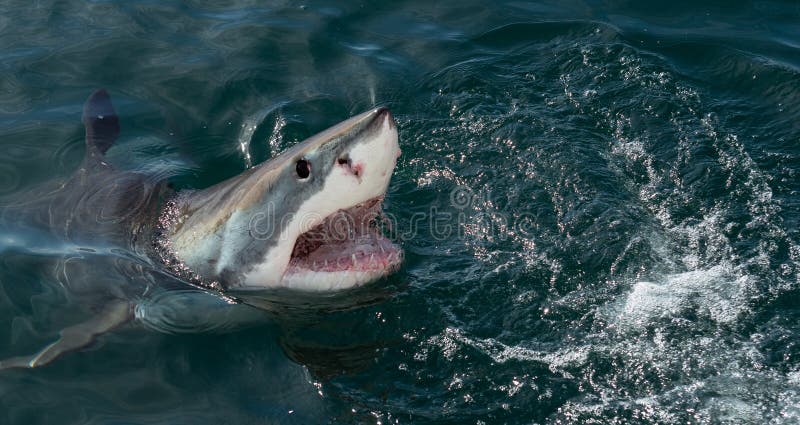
[(75, 337), (101, 122)]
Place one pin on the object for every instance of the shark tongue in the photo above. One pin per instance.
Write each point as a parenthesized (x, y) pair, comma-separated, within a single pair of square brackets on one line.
[(348, 240), (365, 253)]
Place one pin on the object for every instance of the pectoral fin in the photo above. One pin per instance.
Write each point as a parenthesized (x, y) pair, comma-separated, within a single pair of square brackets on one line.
[(75, 337)]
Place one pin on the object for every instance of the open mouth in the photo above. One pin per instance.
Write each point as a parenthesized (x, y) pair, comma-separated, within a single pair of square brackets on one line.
[(348, 240)]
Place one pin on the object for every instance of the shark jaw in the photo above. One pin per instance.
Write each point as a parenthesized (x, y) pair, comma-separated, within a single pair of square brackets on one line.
[(347, 249), (303, 220)]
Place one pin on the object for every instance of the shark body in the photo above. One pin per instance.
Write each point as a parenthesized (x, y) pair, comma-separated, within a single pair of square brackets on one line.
[(302, 221)]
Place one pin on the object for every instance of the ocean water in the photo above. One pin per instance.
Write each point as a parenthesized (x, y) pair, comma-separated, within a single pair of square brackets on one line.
[(598, 201)]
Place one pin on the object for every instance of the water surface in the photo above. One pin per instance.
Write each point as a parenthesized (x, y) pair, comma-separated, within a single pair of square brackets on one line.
[(608, 192)]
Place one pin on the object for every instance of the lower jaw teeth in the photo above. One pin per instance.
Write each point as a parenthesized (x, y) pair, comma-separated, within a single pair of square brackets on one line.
[(361, 260)]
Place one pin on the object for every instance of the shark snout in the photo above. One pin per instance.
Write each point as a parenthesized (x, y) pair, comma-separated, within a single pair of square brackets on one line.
[(371, 161)]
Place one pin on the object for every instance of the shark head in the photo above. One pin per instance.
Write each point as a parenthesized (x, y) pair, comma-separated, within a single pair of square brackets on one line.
[(303, 220)]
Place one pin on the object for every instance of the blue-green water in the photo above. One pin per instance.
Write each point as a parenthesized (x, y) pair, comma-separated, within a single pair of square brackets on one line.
[(608, 192)]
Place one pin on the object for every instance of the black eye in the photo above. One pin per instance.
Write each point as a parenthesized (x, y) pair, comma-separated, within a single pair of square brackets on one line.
[(303, 169)]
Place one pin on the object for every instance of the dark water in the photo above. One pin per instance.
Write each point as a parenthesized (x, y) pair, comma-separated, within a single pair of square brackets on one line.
[(598, 202)]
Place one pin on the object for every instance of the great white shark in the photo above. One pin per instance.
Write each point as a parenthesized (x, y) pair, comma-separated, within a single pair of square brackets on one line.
[(306, 220)]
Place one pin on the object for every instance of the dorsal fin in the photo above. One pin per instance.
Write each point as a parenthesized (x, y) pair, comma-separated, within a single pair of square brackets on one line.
[(101, 122)]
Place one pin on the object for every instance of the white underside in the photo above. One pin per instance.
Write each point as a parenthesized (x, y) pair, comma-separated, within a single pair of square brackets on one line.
[(341, 190), (329, 281)]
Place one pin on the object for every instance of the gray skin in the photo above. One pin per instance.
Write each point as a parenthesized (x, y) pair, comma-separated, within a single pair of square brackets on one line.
[(273, 188), (97, 225), (102, 224)]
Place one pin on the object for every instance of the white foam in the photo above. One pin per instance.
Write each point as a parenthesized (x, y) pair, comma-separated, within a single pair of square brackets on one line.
[(715, 292), (452, 339)]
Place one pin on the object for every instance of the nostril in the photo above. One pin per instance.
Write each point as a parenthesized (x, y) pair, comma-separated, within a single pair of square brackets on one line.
[(358, 169), (346, 161)]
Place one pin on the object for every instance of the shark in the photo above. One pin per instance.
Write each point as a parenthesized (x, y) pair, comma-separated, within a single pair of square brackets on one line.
[(305, 221)]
